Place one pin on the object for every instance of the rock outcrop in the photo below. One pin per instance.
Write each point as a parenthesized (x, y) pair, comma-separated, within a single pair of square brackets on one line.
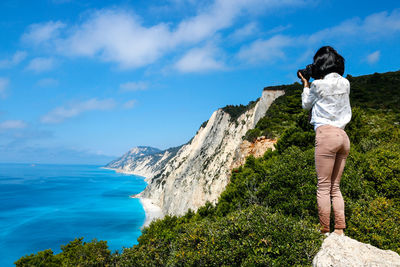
[(343, 251), (256, 148), (188, 176)]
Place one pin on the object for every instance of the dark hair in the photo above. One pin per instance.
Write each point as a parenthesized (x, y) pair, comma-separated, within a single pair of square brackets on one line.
[(327, 60)]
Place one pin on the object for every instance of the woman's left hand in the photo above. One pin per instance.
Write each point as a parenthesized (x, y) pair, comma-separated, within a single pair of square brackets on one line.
[(303, 80)]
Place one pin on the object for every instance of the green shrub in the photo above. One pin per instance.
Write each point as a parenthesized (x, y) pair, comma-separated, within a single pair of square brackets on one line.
[(383, 169), (42, 258), (75, 253), (376, 222), (94, 253), (154, 243), (353, 184), (251, 135), (252, 236), (284, 182), (295, 136), (236, 110)]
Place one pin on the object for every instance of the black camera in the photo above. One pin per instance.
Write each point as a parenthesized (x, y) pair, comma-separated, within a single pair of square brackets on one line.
[(307, 72)]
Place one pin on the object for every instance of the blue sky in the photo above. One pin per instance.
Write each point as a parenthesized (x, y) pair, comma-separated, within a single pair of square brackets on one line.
[(84, 81)]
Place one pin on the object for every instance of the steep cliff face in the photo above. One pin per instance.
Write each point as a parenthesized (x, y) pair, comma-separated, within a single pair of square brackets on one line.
[(199, 171)]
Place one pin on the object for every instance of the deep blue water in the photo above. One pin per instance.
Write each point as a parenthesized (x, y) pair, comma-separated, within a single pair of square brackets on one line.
[(45, 206)]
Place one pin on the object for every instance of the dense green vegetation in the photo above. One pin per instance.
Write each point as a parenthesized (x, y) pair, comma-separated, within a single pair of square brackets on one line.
[(236, 110), (75, 253), (267, 215)]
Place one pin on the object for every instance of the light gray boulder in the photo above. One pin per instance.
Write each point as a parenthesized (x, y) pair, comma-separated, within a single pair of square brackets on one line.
[(343, 251)]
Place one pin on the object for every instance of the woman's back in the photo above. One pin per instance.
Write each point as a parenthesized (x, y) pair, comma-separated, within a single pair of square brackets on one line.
[(330, 100)]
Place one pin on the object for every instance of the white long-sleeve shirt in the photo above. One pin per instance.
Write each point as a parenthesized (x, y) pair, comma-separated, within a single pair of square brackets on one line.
[(329, 100)]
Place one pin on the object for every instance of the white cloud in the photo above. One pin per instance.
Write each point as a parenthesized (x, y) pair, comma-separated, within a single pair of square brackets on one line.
[(43, 32), (121, 37), (12, 124), (372, 27), (3, 86), (130, 104), (374, 57), (59, 114), (279, 28), (117, 36), (40, 64), (244, 32), (199, 60), (15, 60), (209, 21), (382, 23), (222, 14), (377, 25), (48, 82), (265, 50), (114, 35), (133, 86)]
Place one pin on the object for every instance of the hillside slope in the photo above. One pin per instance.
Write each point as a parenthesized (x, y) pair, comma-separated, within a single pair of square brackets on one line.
[(267, 214)]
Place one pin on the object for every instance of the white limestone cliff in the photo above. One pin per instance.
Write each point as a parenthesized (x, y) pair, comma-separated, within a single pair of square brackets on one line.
[(187, 176)]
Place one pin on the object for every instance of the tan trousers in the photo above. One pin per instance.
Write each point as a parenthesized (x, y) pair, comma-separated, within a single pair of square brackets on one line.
[(332, 146)]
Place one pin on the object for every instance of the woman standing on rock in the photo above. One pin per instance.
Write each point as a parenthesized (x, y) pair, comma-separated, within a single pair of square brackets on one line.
[(328, 97)]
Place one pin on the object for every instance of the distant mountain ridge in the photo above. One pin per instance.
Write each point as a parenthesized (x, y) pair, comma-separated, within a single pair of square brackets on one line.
[(143, 160), (133, 154)]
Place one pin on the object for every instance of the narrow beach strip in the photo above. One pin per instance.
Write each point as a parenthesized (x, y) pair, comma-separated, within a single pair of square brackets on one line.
[(151, 210)]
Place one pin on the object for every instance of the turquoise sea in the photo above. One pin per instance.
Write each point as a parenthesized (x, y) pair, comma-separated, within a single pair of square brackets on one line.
[(45, 206)]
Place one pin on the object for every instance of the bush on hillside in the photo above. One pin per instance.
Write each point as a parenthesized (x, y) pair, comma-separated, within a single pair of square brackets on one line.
[(376, 222), (75, 253), (284, 182), (252, 236), (236, 110), (42, 258)]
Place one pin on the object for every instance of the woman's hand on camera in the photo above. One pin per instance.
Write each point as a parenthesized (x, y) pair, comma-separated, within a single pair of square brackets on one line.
[(303, 80)]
